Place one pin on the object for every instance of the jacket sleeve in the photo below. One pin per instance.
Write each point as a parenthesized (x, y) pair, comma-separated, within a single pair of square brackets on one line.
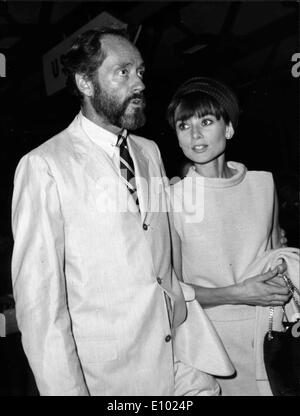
[(175, 291), (38, 278)]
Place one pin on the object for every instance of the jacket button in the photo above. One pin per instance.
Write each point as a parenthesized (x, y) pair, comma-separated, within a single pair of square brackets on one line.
[(168, 338), (145, 227), (159, 280)]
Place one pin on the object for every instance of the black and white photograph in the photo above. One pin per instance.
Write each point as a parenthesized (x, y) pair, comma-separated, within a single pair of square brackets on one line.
[(149, 227)]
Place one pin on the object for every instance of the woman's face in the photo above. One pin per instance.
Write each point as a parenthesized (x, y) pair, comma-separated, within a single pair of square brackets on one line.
[(202, 139)]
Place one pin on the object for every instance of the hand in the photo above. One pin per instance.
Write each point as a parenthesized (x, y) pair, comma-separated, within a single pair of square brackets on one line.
[(278, 280), (283, 239), (266, 289)]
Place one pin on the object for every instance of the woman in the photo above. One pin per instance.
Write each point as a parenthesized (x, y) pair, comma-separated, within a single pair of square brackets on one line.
[(225, 216)]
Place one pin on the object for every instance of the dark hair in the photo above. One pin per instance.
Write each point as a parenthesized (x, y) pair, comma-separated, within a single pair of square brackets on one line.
[(86, 55), (202, 96)]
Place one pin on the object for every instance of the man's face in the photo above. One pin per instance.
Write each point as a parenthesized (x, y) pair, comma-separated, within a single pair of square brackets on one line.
[(118, 87)]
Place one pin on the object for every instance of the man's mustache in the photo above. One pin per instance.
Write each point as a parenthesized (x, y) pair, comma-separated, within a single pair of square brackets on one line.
[(136, 96)]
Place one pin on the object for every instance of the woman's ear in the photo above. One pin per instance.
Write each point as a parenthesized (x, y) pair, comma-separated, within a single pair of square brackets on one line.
[(229, 132), (84, 85)]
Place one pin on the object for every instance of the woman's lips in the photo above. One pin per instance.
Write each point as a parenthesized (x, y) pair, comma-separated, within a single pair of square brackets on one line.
[(200, 148)]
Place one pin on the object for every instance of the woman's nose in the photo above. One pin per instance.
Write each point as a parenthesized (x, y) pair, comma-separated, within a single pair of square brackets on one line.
[(197, 132)]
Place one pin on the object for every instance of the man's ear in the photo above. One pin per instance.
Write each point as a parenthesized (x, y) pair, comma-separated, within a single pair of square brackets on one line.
[(84, 85), (229, 131)]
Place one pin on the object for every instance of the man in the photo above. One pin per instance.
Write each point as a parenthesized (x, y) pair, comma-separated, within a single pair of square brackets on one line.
[(96, 301)]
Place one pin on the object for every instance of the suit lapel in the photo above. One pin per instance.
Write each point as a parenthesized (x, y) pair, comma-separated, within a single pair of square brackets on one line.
[(95, 161)]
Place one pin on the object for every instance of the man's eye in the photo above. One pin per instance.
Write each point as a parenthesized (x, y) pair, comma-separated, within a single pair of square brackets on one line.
[(141, 73), (123, 72)]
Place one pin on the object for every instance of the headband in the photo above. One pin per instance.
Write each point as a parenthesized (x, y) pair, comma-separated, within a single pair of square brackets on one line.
[(220, 92)]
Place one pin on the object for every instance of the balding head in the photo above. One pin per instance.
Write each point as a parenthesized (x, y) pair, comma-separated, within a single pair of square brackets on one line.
[(87, 54)]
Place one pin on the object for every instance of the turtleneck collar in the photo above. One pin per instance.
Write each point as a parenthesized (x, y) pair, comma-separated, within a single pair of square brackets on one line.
[(241, 171)]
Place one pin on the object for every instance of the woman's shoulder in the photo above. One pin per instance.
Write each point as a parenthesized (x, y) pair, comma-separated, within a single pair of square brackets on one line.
[(255, 173), (260, 175), (258, 179), (261, 180)]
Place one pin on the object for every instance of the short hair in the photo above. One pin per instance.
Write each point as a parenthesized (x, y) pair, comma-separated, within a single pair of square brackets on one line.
[(201, 96), (86, 55)]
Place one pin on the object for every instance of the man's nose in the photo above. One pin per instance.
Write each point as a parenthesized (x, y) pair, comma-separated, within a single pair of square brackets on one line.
[(138, 85)]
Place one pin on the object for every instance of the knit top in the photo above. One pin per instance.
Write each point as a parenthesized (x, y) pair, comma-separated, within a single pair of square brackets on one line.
[(224, 224)]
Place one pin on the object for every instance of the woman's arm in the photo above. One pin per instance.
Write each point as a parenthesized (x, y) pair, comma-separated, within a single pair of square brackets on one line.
[(276, 237), (254, 291)]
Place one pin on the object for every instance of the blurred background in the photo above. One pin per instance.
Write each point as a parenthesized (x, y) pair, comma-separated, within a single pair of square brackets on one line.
[(249, 45)]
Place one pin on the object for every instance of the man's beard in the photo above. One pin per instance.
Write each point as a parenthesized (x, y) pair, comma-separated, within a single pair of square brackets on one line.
[(114, 112)]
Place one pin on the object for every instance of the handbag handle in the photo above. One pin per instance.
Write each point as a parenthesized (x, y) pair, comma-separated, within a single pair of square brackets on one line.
[(292, 288)]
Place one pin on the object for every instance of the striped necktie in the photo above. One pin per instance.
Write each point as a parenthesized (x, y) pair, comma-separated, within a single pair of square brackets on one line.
[(127, 166)]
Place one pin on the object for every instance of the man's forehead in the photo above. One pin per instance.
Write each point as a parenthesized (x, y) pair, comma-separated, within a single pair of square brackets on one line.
[(120, 47)]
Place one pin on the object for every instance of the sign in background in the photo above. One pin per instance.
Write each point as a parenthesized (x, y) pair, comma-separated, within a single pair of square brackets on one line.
[(2, 65), (54, 77)]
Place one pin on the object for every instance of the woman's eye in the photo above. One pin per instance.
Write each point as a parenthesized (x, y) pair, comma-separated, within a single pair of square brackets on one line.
[(182, 126), (206, 122)]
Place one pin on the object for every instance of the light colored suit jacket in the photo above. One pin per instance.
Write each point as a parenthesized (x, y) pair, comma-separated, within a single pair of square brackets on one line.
[(89, 303), (90, 284)]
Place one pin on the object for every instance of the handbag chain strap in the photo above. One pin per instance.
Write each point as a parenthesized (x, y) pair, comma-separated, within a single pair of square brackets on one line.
[(271, 313), (292, 288)]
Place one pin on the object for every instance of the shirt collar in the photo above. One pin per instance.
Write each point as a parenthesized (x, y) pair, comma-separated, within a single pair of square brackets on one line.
[(122, 136), (102, 137)]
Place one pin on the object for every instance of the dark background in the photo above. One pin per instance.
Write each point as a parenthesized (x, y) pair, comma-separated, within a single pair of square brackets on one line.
[(247, 44)]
